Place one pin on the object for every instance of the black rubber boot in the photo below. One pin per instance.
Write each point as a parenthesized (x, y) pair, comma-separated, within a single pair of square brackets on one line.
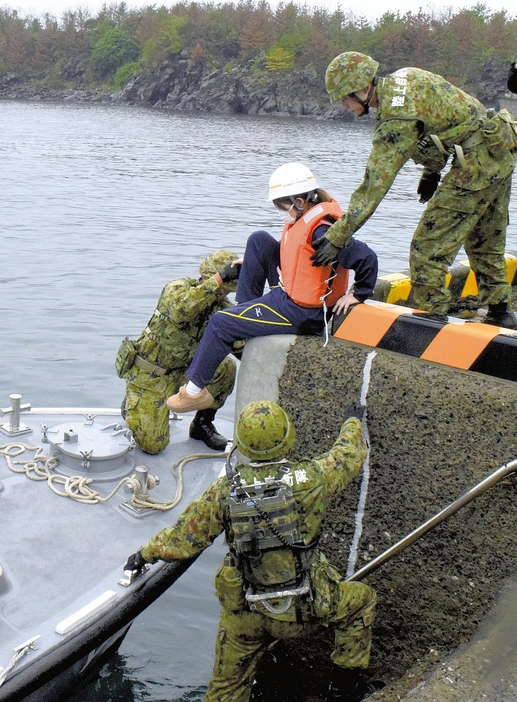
[(348, 685), (501, 315), (202, 429)]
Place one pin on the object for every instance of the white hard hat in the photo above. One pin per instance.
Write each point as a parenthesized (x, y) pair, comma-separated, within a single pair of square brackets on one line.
[(291, 179)]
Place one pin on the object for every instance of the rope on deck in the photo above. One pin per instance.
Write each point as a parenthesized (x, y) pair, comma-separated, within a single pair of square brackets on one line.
[(77, 487)]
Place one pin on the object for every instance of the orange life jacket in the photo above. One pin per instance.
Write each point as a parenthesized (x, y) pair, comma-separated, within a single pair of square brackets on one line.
[(308, 285)]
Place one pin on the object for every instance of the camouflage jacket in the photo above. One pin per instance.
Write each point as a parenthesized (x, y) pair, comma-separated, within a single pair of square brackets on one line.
[(421, 116), (174, 331), (313, 482)]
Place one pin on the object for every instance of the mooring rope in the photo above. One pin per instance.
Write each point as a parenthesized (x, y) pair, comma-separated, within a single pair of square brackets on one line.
[(177, 472), (78, 488), (37, 469), (352, 558)]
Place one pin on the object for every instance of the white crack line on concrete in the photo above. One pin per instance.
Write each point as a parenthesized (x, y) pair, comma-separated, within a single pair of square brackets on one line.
[(352, 558)]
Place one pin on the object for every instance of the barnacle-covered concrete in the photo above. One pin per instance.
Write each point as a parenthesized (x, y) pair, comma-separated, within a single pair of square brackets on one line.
[(435, 432)]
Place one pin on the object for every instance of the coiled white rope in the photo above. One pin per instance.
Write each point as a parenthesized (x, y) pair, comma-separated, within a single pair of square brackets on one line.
[(40, 468), (78, 488), (37, 469)]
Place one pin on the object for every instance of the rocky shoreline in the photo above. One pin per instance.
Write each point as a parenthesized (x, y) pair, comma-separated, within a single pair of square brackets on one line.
[(186, 85), (183, 83), (190, 85)]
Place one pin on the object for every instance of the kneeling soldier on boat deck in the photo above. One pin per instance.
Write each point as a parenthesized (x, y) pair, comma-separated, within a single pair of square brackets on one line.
[(275, 582), (154, 365)]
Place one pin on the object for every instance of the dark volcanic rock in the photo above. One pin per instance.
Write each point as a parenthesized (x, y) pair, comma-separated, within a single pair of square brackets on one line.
[(183, 82), (190, 85)]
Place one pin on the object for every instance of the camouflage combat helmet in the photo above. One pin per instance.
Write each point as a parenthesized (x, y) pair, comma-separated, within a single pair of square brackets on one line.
[(349, 73), (215, 262), (264, 431)]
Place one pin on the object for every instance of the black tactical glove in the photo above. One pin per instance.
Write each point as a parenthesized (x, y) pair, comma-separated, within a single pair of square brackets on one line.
[(135, 561), (230, 273), (355, 410), (324, 252), (427, 185)]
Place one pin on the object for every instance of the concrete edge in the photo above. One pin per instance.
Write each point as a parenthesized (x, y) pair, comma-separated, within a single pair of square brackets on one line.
[(263, 362)]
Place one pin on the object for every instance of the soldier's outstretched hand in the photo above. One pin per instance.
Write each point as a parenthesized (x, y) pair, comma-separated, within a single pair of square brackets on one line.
[(231, 271), (135, 562), (427, 186), (355, 410), (325, 252)]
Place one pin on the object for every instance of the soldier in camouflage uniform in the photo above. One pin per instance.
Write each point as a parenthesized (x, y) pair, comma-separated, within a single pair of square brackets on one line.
[(421, 116), (255, 607), (154, 365)]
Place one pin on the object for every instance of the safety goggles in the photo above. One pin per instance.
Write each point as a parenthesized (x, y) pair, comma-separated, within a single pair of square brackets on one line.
[(284, 203)]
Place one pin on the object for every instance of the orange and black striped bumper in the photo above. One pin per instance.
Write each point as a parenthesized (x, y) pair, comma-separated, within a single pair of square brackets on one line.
[(457, 343)]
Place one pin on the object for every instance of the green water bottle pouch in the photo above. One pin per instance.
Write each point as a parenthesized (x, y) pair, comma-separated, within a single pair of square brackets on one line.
[(326, 583), (125, 357), (500, 133), (229, 586)]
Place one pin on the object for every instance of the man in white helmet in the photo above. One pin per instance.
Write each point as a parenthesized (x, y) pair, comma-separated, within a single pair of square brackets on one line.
[(300, 293)]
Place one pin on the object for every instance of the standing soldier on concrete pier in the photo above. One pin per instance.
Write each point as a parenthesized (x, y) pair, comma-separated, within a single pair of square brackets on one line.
[(423, 117)]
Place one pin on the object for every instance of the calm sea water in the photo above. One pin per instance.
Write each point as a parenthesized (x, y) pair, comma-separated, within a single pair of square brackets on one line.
[(101, 206)]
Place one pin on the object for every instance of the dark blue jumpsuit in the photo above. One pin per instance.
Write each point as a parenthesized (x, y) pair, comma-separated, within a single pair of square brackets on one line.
[(256, 314)]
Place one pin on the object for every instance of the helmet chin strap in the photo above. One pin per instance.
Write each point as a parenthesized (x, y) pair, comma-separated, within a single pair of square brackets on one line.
[(365, 103), (296, 207)]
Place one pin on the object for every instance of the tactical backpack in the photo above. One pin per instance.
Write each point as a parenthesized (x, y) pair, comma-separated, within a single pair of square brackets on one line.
[(263, 535)]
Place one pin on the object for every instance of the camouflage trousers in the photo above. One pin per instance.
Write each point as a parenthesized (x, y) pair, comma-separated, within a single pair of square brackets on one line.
[(244, 637), (476, 219), (147, 414)]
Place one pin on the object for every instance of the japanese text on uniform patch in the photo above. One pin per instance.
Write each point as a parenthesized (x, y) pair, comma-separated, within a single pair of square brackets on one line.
[(400, 80)]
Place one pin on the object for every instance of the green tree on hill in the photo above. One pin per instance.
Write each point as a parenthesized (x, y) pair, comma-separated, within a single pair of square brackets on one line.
[(114, 48), (86, 49)]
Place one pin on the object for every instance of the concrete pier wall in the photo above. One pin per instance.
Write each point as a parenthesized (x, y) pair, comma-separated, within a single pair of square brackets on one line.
[(435, 432)]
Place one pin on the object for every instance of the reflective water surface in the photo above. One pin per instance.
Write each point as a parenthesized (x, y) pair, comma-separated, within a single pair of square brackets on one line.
[(101, 206)]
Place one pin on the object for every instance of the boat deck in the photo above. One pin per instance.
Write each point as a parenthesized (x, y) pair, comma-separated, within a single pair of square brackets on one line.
[(57, 555)]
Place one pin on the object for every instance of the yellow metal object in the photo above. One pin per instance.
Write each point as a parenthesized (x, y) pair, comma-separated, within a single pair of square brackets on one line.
[(400, 286), (511, 267), (400, 283), (471, 286)]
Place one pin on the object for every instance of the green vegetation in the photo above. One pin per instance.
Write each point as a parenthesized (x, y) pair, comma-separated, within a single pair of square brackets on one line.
[(81, 49), (114, 48), (125, 72), (278, 59)]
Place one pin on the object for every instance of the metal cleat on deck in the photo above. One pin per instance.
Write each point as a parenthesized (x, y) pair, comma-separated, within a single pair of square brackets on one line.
[(131, 575), (14, 427), (138, 485), (19, 652)]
